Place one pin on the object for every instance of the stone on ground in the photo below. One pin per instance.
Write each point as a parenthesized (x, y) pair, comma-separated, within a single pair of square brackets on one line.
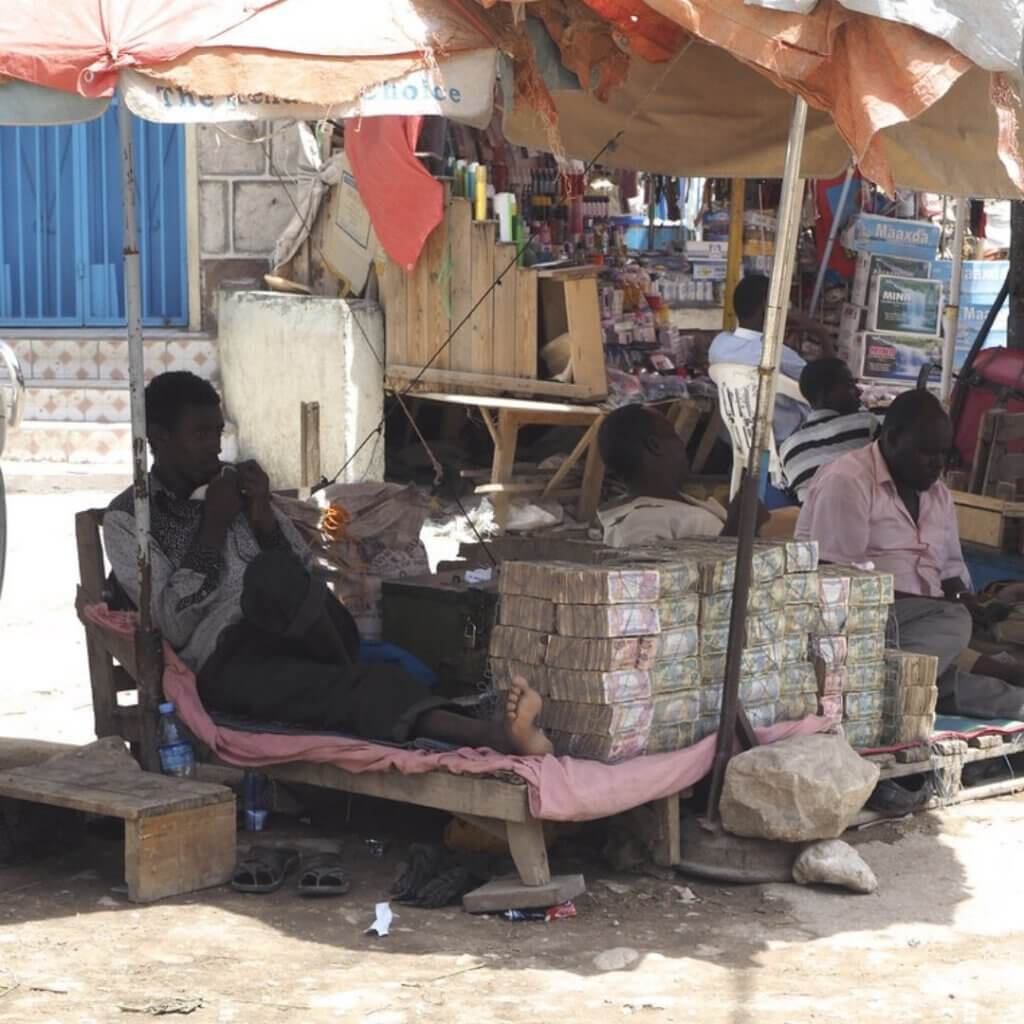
[(833, 862), (797, 790)]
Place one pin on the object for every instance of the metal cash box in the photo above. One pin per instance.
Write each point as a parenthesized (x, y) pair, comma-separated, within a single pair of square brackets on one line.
[(446, 623)]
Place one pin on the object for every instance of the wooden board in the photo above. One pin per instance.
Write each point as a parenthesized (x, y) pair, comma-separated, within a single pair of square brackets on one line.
[(487, 798), (505, 311), (437, 324), (585, 333), (460, 223), (511, 894), (396, 313), (526, 324), (399, 378), (482, 236), (171, 854), (580, 414), (117, 793), (419, 291)]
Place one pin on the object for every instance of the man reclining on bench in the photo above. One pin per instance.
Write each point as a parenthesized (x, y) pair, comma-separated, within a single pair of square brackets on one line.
[(233, 594)]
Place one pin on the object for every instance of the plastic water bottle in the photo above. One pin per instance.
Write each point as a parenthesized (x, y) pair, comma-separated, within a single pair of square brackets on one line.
[(176, 754), (254, 802)]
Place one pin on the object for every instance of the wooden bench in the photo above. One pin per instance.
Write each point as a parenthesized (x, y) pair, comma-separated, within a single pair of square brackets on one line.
[(498, 805), (179, 835)]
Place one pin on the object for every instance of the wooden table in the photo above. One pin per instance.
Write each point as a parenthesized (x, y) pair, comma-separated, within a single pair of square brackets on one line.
[(504, 417)]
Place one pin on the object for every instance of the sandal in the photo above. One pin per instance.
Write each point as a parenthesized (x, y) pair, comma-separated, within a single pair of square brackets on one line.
[(324, 876), (264, 869)]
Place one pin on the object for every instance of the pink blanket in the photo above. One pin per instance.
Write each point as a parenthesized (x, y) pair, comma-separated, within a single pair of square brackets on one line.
[(560, 788)]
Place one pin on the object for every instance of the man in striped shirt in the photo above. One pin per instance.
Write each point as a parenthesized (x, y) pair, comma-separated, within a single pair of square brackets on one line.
[(836, 425)]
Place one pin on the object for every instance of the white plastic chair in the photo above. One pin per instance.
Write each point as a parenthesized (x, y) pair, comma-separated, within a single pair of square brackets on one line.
[(737, 402)]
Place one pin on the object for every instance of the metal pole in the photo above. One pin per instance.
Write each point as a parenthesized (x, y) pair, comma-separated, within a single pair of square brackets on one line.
[(771, 357), (136, 372), (819, 281), (951, 315), (148, 645)]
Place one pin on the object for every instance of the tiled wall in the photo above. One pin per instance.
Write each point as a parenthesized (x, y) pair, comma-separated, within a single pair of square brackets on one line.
[(66, 376)]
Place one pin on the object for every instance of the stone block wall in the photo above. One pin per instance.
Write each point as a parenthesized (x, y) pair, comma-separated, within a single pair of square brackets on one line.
[(245, 173)]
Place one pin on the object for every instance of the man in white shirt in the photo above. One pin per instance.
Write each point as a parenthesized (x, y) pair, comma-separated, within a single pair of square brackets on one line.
[(745, 343)]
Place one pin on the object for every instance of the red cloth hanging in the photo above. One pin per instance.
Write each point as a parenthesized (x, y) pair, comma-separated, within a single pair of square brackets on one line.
[(404, 202)]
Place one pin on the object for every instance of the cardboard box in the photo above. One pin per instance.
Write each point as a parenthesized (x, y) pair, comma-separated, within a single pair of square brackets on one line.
[(972, 316), (349, 244), (870, 265), (851, 323), (980, 280), (853, 354), (711, 270), (872, 233), (707, 250), (905, 305), (897, 357)]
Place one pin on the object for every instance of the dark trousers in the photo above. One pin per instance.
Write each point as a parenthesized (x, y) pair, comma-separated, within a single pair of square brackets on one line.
[(294, 658)]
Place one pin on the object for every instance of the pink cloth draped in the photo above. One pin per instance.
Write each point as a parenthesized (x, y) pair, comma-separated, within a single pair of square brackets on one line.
[(560, 788)]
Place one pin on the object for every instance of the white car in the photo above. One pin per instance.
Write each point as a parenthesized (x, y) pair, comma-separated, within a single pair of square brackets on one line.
[(12, 403)]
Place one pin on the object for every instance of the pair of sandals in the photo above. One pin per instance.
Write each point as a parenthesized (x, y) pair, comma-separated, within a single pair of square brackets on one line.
[(264, 869), (432, 877)]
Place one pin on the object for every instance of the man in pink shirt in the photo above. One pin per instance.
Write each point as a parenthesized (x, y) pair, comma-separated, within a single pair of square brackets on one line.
[(885, 505)]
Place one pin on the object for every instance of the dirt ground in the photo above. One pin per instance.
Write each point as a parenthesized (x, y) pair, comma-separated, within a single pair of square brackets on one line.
[(941, 940)]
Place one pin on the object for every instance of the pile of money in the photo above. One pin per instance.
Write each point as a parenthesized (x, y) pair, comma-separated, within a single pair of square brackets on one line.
[(848, 645), (629, 654), (912, 691)]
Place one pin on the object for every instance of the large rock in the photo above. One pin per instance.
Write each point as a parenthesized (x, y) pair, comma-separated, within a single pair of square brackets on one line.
[(833, 862), (796, 790)]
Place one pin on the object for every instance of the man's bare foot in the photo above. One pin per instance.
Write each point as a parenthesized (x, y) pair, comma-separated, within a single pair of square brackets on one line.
[(521, 710)]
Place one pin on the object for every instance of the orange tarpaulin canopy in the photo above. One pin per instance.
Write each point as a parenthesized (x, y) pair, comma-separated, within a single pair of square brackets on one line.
[(691, 88)]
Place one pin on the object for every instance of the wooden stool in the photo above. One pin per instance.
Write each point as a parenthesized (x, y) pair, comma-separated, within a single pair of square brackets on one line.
[(179, 835)]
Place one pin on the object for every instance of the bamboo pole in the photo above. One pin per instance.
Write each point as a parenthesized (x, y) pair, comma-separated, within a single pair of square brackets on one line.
[(771, 357), (951, 314)]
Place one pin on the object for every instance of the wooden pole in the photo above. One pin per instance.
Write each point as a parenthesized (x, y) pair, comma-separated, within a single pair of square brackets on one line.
[(734, 266), (951, 314), (771, 357), (309, 442)]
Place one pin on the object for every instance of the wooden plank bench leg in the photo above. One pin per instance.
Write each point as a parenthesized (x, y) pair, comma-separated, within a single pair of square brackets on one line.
[(526, 841), (171, 854), (666, 849)]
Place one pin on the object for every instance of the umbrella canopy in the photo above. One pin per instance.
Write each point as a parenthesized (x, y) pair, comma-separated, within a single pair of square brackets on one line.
[(317, 54), (209, 61), (912, 108), (81, 47)]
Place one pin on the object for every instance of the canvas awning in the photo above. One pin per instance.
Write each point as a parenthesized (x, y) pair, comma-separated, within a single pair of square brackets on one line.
[(899, 96)]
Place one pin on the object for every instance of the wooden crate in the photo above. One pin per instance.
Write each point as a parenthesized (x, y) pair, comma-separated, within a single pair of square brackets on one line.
[(989, 521), (495, 344)]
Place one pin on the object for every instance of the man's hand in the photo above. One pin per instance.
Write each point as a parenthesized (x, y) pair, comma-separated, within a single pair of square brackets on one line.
[(255, 488), (223, 503), (732, 518)]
